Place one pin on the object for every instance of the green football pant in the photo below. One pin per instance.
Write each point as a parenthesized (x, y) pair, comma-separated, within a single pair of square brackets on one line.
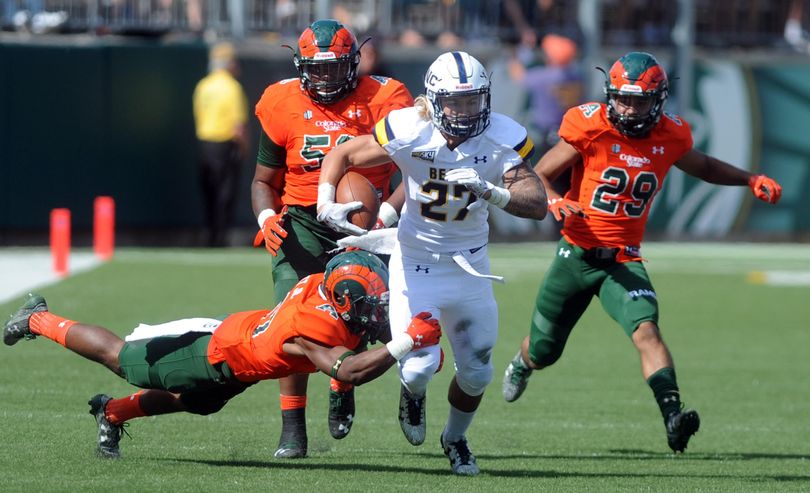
[(623, 288)]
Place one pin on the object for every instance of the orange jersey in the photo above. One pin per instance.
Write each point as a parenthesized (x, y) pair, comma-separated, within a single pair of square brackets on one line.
[(618, 176), (308, 130), (251, 342)]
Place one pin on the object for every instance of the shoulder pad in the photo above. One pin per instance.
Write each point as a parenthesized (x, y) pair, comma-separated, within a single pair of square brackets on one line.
[(674, 118), (379, 78), (589, 109), (509, 133), (397, 125)]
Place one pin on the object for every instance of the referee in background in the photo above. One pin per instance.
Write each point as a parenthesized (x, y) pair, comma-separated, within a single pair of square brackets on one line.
[(220, 116)]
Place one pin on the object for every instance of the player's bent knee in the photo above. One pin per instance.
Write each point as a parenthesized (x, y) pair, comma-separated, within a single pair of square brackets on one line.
[(473, 381), (545, 351), (201, 403), (647, 333)]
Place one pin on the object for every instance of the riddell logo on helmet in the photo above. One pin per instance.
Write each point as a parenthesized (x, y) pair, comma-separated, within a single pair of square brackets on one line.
[(631, 88), (463, 87), (324, 55)]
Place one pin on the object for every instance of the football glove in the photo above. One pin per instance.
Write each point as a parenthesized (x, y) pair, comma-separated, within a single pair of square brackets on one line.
[(562, 208), (336, 216), (765, 189), (470, 179), (424, 330), (272, 233)]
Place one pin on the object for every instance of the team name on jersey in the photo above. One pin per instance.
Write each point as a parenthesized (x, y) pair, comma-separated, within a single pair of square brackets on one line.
[(634, 161), (437, 173), (330, 125)]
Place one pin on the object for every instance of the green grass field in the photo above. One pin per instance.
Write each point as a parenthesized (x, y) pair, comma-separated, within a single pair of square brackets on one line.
[(589, 423)]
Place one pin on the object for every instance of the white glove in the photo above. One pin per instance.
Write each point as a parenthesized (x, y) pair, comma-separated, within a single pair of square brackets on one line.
[(471, 179), (336, 216)]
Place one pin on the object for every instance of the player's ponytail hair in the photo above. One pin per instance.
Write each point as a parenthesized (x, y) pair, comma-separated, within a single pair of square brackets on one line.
[(423, 107)]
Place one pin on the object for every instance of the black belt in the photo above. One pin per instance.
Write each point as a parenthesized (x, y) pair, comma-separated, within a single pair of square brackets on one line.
[(601, 254)]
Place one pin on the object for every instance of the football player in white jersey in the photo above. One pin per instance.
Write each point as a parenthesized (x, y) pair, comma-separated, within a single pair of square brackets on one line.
[(455, 157)]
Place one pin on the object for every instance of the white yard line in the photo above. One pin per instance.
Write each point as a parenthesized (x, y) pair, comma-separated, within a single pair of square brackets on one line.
[(27, 269)]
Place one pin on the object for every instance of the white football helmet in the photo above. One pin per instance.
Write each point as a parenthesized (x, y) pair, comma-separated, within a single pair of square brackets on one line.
[(457, 86)]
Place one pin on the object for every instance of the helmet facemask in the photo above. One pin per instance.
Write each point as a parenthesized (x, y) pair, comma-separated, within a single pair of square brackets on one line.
[(327, 81), (461, 114)]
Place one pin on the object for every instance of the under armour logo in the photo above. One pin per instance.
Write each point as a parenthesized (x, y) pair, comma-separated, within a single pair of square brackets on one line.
[(658, 149), (419, 268), (307, 115), (482, 159), (353, 113), (564, 252)]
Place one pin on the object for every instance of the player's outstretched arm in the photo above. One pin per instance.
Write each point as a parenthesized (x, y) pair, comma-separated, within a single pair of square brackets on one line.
[(343, 364), (713, 170)]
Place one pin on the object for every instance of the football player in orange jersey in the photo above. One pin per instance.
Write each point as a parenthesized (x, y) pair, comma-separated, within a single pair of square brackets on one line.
[(196, 365), (302, 119), (619, 153)]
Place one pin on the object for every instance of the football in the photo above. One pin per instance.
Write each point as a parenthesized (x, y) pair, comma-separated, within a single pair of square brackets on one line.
[(354, 186)]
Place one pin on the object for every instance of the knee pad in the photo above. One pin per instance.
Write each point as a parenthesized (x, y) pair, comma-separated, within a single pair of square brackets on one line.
[(474, 380), (545, 351), (199, 403)]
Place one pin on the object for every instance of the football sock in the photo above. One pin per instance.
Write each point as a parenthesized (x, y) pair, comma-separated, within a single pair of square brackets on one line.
[(339, 386), (293, 421), (665, 390), (289, 402), (51, 326), (457, 424), (120, 410)]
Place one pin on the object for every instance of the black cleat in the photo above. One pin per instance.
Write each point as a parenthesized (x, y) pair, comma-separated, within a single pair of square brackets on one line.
[(412, 416), (341, 413), (462, 461), (680, 428), (293, 441), (17, 326), (108, 434)]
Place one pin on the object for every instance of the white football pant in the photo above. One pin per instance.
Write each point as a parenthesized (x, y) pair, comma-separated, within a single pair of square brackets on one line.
[(464, 305)]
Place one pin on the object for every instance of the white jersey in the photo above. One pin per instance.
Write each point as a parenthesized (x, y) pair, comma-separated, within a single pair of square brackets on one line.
[(435, 216)]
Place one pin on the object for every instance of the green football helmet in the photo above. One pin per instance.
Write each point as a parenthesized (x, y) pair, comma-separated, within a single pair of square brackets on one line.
[(637, 80), (356, 284), (327, 58)]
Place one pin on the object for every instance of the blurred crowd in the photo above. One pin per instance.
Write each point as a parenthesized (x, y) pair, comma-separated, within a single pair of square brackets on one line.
[(416, 23)]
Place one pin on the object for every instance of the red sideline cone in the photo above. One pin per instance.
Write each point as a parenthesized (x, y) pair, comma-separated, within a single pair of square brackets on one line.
[(104, 227), (60, 240)]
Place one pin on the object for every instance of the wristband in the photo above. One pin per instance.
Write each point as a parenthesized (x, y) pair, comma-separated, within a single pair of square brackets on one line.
[(326, 194), (263, 215), (387, 214), (499, 197), (334, 371), (399, 346)]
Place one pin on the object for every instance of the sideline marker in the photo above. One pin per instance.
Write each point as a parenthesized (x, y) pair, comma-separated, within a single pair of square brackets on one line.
[(104, 227), (60, 240)]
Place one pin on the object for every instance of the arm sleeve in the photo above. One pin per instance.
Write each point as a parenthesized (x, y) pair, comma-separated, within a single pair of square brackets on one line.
[(271, 154)]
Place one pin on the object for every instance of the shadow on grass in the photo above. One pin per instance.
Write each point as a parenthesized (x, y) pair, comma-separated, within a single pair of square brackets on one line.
[(315, 465)]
